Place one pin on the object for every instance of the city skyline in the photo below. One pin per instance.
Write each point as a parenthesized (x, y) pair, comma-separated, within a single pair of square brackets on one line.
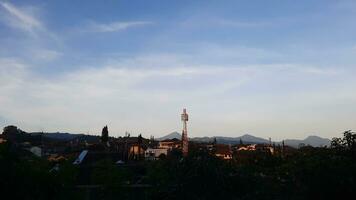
[(270, 69)]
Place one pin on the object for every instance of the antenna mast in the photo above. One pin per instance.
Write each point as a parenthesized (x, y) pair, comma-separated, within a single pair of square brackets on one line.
[(184, 118)]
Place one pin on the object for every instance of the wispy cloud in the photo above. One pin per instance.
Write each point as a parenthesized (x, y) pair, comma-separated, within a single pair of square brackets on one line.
[(241, 24), (9, 84), (135, 90), (114, 26), (41, 44), (45, 54), (213, 22), (21, 18), (321, 70), (353, 49)]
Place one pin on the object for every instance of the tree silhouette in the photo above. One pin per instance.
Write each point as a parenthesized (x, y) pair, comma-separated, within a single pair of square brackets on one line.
[(348, 142), (215, 141), (350, 139), (139, 141), (10, 130), (105, 135)]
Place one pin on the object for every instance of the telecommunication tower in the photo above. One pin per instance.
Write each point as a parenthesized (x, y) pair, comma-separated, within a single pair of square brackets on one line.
[(184, 117)]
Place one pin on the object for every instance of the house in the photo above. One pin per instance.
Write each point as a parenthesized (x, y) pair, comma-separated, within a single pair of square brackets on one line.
[(2, 140), (223, 151), (136, 151), (37, 151), (56, 158), (133, 148), (257, 147), (81, 157), (155, 153), (265, 148), (170, 144)]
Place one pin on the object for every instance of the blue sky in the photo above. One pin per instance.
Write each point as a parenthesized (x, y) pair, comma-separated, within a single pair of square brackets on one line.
[(279, 69)]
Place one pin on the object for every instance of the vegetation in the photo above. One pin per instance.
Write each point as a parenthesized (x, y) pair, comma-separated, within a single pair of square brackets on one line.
[(24, 176), (308, 173)]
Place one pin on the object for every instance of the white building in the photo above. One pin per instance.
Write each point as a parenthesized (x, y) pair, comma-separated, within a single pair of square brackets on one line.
[(37, 151), (154, 154)]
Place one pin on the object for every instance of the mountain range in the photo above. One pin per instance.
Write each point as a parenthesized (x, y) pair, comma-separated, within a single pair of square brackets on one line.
[(314, 141), (170, 136)]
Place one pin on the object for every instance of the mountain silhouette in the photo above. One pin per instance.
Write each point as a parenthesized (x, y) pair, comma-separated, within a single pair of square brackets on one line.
[(171, 136), (314, 141)]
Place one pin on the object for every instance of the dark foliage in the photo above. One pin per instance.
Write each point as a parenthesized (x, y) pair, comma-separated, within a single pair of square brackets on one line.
[(24, 176), (105, 134), (308, 173)]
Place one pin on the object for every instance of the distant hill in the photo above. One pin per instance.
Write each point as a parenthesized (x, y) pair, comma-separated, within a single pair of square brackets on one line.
[(246, 139), (314, 141), (170, 136), (88, 138), (62, 136), (251, 138), (72, 137), (69, 137)]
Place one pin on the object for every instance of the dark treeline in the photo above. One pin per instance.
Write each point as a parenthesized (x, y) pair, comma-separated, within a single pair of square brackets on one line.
[(307, 173)]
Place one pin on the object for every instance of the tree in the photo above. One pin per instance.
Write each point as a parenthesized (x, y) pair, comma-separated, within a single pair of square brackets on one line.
[(345, 144), (10, 130), (12, 133), (350, 139), (301, 145), (105, 135), (337, 143), (139, 141)]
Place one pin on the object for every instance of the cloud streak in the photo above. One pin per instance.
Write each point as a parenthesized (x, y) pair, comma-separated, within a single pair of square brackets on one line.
[(114, 26), (19, 18), (39, 45), (241, 24)]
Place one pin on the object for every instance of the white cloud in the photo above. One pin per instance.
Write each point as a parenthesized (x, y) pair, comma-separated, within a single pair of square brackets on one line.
[(113, 92), (45, 54), (138, 95), (114, 26), (241, 24), (11, 71), (321, 70), (353, 49), (40, 45), (20, 18), (237, 52), (13, 77), (216, 22)]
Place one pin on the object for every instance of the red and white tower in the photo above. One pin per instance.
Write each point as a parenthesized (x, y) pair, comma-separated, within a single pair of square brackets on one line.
[(184, 117)]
